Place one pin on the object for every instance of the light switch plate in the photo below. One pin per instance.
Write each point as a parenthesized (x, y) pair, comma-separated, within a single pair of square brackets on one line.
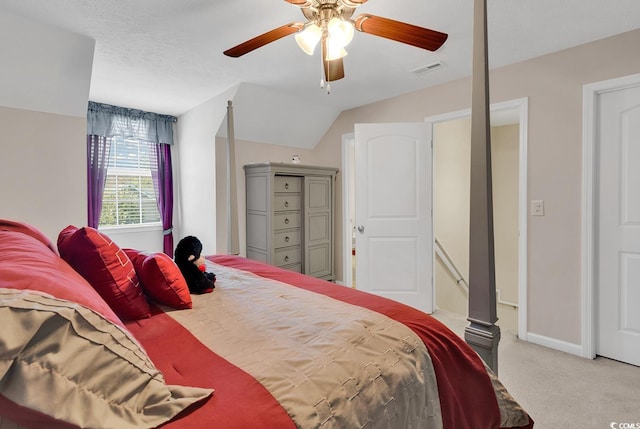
[(537, 207)]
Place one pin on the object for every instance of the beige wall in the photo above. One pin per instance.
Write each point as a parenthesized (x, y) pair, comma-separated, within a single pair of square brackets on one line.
[(247, 152), (195, 183), (43, 173), (451, 160), (505, 162), (451, 175), (553, 85)]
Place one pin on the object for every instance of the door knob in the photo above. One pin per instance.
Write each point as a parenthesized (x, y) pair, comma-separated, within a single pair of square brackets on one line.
[(361, 229)]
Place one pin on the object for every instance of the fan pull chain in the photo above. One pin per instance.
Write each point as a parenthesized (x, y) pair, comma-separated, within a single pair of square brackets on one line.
[(328, 74), (321, 72), (322, 81)]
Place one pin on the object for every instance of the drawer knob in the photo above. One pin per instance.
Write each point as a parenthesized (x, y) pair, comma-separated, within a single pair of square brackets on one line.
[(286, 239), (286, 185), (286, 203), (286, 221), (286, 258)]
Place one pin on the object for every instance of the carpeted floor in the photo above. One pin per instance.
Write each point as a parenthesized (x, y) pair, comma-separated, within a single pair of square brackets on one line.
[(560, 390)]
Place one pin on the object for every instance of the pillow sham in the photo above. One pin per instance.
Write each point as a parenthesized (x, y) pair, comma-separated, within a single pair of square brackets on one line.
[(64, 362), (106, 267), (27, 263), (24, 228), (161, 278)]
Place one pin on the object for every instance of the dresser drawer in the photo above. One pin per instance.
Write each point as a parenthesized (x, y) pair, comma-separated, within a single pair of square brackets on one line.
[(286, 220), (295, 267), (286, 202), (287, 184), (286, 238), (287, 256)]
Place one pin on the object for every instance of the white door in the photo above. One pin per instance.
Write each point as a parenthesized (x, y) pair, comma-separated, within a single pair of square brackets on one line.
[(394, 235), (618, 217)]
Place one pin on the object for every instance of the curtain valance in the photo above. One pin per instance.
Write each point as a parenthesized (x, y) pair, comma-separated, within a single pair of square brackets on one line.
[(106, 120)]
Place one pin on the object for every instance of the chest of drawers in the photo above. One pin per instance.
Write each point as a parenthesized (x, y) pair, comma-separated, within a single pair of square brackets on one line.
[(290, 216)]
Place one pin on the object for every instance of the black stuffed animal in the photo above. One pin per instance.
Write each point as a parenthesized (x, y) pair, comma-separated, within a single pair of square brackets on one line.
[(191, 263)]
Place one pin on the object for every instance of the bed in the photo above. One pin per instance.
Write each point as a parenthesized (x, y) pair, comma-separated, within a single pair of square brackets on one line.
[(268, 348)]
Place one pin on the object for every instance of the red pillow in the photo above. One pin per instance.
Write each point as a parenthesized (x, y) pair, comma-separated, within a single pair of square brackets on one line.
[(27, 263), (161, 278), (10, 225), (137, 258), (106, 267)]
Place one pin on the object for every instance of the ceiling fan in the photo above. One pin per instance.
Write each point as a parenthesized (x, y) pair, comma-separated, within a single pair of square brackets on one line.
[(329, 23)]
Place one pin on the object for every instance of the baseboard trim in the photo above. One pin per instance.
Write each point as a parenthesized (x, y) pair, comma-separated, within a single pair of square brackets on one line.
[(552, 343)]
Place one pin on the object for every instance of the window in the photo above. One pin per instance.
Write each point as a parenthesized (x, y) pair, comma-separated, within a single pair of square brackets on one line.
[(129, 197)]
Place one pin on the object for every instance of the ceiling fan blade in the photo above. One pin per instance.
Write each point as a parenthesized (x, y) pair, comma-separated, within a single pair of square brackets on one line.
[(307, 3), (333, 70), (301, 3), (400, 32), (263, 39)]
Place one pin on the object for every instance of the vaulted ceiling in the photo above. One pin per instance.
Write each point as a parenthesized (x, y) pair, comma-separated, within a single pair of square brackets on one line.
[(166, 56)]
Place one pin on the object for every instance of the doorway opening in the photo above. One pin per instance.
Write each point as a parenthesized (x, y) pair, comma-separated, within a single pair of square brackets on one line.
[(509, 125)]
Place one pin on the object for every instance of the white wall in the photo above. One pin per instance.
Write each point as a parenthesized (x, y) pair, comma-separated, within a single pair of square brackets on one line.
[(146, 239), (196, 182), (44, 68), (292, 127)]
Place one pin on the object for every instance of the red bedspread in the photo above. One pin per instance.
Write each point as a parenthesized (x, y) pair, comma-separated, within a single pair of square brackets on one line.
[(466, 394), (239, 401)]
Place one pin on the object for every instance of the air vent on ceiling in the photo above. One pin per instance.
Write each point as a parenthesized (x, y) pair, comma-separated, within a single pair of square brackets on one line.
[(419, 71)]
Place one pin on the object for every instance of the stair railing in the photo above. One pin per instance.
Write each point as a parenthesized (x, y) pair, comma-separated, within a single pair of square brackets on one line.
[(460, 280)]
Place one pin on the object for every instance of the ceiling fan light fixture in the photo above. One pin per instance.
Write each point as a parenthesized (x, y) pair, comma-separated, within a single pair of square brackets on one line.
[(330, 23), (334, 51), (308, 38), (340, 31)]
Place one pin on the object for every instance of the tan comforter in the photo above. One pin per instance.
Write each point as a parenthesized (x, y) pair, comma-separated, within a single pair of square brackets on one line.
[(350, 366)]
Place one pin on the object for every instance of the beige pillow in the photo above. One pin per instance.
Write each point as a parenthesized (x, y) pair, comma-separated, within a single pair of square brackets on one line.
[(68, 362)]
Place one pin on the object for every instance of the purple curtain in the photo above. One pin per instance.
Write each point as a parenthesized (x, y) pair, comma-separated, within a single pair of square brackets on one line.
[(98, 148), (163, 186)]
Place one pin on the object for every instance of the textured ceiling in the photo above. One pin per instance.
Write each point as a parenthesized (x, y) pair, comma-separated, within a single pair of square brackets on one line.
[(166, 55)]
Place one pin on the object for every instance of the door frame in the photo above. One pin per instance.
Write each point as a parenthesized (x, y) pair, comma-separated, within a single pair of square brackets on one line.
[(590, 93), (522, 107), (348, 146)]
